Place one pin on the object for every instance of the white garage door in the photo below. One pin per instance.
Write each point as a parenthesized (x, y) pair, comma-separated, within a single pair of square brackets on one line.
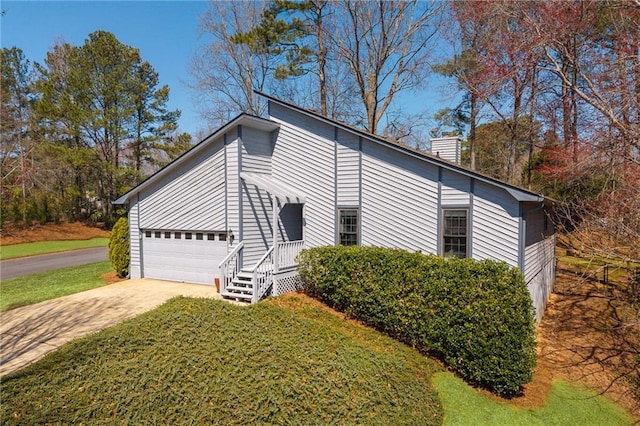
[(188, 256)]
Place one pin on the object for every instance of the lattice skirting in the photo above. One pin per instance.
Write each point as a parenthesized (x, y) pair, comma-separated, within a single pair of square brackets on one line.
[(286, 282)]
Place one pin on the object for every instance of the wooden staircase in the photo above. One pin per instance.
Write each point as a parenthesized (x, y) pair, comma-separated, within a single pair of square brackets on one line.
[(240, 288), (251, 285)]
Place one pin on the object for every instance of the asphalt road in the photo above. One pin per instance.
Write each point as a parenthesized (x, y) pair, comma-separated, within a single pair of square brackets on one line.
[(29, 265)]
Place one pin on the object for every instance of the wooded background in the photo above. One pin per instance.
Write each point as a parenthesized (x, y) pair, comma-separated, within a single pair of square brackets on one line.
[(550, 100)]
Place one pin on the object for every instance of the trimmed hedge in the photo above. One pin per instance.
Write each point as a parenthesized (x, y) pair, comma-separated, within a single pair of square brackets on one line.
[(477, 316), (119, 247)]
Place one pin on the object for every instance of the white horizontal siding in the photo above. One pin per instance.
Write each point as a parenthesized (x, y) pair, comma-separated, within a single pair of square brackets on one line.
[(304, 158), (233, 186), (399, 200), (193, 200), (541, 284), (256, 203), (539, 261), (135, 270), (446, 148), (496, 224), (455, 188), (539, 249), (257, 232), (256, 151), (348, 169)]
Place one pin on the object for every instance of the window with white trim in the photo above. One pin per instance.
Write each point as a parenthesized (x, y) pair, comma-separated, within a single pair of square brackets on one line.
[(348, 227), (455, 233)]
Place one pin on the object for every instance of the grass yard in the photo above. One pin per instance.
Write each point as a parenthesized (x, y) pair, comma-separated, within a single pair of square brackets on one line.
[(43, 247), (288, 360), (566, 405), (194, 361), (34, 288)]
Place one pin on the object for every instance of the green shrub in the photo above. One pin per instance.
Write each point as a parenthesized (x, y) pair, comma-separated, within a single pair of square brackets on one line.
[(119, 247), (477, 316)]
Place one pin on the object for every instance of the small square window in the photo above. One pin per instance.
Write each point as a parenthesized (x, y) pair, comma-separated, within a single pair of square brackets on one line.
[(177, 235), (147, 234), (167, 234), (187, 235), (222, 236), (158, 234), (199, 236), (211, 237)]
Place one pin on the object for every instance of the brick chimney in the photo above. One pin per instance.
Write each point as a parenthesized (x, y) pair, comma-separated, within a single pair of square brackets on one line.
[(447, 148)]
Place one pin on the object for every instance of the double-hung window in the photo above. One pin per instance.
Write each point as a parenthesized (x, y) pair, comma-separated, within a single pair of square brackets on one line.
[(348, 227), (455, 233)]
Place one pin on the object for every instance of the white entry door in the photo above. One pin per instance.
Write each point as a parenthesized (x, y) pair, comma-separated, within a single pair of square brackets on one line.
[(185, 256)]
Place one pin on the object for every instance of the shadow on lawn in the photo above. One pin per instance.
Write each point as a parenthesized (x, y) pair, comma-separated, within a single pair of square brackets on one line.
[(28, 333), (588, 337)]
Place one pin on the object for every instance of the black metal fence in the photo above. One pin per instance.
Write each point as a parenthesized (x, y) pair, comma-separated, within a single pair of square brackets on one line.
[(624, 278)]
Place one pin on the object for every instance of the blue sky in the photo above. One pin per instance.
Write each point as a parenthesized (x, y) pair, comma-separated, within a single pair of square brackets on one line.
[(165, 32)]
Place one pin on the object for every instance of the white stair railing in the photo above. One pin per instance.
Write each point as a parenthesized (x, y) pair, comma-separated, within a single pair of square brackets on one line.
[(287, 253), (230, 266), (262, 275)]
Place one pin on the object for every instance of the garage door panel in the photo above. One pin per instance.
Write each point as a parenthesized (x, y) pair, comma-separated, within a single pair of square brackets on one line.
[(194, 261)]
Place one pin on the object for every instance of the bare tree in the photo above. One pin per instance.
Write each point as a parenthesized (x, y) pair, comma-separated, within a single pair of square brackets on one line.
[(386, 45), (226, 73), (606, 75)]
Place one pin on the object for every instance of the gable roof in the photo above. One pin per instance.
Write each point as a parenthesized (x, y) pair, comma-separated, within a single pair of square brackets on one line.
[(242, 119), (520, 194)]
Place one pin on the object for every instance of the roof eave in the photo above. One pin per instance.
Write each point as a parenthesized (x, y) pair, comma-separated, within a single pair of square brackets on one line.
[(524, 196)]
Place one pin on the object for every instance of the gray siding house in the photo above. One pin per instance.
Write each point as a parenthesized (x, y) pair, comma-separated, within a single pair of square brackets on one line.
[(240, 205)]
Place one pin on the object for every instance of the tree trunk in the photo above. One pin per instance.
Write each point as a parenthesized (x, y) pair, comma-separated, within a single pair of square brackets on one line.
[(322, 64), (472, 129)]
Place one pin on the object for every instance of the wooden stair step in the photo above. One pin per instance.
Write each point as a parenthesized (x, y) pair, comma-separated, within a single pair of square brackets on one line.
[(245, 275), (232, 288), (237, 295)]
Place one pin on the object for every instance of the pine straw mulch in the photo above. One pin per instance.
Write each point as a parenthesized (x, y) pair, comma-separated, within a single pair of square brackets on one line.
[(111, 277), (588, 336), (50, 232)]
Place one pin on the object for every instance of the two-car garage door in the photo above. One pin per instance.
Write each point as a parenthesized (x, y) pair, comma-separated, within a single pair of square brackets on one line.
[(189, 256)]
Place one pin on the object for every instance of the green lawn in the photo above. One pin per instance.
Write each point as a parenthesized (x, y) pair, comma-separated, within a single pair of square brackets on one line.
[(43, 247), (34, 288), (283, 361), (566, 405), (197, 361)]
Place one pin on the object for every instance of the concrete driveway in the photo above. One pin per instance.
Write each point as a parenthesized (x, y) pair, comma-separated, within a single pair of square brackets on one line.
[(30, 332)]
